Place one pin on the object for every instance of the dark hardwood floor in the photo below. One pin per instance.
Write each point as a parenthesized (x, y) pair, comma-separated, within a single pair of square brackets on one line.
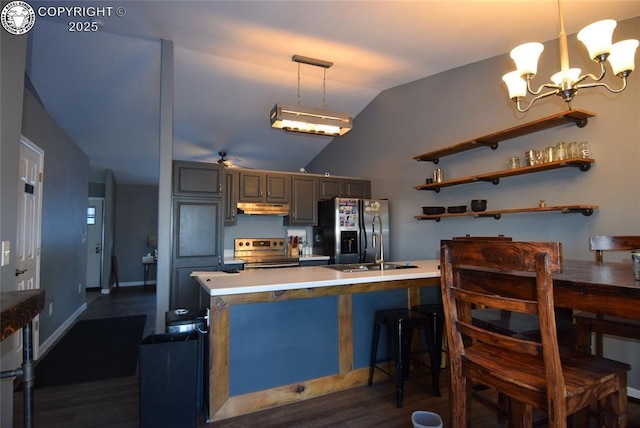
[(115, 402)]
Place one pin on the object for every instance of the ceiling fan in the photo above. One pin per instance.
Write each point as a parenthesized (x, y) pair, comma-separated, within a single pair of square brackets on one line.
[(227, 163)]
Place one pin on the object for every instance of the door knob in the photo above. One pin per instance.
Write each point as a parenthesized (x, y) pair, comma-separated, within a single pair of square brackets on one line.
[(98, 249), (20, 271)]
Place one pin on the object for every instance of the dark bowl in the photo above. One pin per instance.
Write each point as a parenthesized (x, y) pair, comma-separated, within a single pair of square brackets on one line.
[(433, 210), (478, 205), (457, 209)]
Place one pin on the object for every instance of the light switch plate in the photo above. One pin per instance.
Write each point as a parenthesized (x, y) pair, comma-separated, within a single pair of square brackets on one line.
[(6, 252)]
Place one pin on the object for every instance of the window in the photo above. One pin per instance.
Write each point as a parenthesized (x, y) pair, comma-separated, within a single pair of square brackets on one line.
[(91, 215)]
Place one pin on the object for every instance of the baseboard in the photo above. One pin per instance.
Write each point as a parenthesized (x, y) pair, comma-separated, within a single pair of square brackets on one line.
[(136, 283), (60, 331), (633, 392)]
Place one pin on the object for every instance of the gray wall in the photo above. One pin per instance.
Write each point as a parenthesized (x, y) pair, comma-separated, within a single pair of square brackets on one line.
[(64, 210), (136, 218), (469, 102), (12, 66), (65, 187)]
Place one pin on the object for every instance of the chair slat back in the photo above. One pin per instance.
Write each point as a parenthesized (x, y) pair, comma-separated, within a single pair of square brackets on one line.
[(494, 274), (601, 243)]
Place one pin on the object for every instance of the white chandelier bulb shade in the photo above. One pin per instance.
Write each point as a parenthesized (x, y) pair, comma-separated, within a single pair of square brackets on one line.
[(573, 74), (597, 37), (623, 55), (516, 85), (526, 57)]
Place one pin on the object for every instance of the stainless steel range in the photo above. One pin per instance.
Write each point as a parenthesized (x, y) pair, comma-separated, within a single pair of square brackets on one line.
[(263, 253)]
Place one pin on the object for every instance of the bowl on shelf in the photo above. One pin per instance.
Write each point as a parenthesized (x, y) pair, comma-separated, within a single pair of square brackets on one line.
[(457, 209), (433, 210), (478, 205)]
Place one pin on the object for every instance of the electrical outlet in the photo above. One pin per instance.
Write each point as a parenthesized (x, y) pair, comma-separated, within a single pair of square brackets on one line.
[(6, 253), (50, 308)]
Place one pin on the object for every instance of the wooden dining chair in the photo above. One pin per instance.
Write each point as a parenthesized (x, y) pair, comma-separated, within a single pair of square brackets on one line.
[(519, 324), (517, 276), (589, 323)]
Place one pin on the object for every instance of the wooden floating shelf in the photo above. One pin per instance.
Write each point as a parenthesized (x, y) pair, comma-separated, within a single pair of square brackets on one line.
[(584, 164), (577, 116), (585, 210)]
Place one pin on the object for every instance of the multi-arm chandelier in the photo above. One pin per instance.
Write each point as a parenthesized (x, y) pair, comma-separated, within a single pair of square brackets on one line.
[(308, 120), (566, 83)]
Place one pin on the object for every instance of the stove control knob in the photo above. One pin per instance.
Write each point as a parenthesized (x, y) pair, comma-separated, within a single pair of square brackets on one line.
[(248, 244)]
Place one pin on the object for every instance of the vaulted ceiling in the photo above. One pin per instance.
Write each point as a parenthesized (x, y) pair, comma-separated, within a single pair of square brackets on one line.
[(232, 63)]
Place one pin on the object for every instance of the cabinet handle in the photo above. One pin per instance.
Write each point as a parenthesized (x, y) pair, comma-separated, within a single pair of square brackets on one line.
[(219, 187)]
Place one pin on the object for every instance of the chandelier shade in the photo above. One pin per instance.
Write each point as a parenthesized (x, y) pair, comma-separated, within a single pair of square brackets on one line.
[(526, 57), (597, 38), (622, 55)]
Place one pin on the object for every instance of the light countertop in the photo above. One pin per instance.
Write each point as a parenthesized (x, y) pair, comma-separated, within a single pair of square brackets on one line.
[(220, 283)]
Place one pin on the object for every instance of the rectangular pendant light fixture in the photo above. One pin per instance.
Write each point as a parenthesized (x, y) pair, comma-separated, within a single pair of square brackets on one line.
[(308, 120)]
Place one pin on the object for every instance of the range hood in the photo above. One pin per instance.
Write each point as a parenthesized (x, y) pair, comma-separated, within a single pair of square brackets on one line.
[(256, 208)]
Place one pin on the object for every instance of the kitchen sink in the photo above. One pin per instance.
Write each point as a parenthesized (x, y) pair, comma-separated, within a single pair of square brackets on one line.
[(363, 267)]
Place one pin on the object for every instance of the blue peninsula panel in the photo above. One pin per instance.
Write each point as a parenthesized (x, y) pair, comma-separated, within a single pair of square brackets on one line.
[(279, 343)]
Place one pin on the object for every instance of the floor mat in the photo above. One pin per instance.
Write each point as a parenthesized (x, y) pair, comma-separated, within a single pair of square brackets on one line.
[(93, 350)]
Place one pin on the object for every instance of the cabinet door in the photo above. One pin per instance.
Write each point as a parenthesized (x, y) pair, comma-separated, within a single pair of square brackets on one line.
[(197, 240), (356, 188), (187, 293), (329, 188), (197, 179), (278, 188), (304, 206), (230, 192), (251, 184)]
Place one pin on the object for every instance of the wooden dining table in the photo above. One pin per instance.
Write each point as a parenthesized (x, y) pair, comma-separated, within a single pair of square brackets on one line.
[(605, 288)]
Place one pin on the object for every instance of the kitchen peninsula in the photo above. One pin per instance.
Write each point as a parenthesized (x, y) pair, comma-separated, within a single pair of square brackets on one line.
[(282, 335)]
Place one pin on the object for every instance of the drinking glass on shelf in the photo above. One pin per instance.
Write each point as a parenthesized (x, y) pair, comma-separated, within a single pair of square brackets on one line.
[(549, 154), (561, 151), (513, 162), (572, 150), (583, 148)]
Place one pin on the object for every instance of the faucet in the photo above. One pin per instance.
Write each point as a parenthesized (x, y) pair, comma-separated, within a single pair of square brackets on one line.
[(379, 261)]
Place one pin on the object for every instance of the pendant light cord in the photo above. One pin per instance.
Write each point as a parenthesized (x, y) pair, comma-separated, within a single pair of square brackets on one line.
[(324, 86)]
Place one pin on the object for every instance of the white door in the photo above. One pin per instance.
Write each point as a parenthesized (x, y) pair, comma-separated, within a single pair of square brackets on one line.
[(94, 242), (28, 230)]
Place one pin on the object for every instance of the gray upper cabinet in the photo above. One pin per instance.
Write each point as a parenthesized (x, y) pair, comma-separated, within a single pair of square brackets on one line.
[(304, 201), (197, 179), (331, 187), (264, 187)]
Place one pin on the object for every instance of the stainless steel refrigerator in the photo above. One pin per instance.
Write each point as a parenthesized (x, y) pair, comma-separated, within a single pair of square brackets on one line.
[(353, 230)]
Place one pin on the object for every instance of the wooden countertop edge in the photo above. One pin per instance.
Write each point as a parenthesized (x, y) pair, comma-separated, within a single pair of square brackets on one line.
[(18, 309)]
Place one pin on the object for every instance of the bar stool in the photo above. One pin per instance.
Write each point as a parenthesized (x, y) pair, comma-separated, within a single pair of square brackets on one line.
[(433, 328), (400, 324)]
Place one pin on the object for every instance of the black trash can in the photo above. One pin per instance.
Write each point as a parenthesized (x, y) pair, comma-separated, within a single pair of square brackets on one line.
[(186, 321), (169, 380)]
